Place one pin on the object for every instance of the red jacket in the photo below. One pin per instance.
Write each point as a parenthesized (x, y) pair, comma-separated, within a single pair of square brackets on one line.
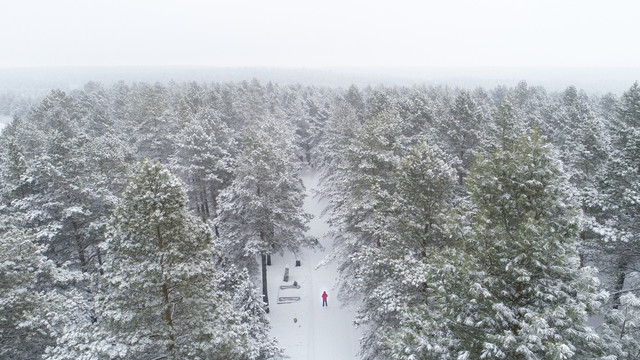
[(324, 296)]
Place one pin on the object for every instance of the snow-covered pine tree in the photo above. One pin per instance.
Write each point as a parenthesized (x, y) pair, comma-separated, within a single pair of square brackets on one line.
[(424, 197), (59, 113), (295, 108), (525, 232), (616, 203), (19, 143), (345, 120), (157, 295), (63, 182), (629, 108), (418, 112), (120, 105), (318, 102), (95, 109), (587, 151), (512, 288), (507, 125), (361, 189), (247, 301), (151, 121), (463, 129), (36, 302), (261, 211), (621, 329), (416, 223), (204, 148)]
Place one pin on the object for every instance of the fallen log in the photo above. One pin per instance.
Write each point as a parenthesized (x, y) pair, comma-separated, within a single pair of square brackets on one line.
[(288, 299)]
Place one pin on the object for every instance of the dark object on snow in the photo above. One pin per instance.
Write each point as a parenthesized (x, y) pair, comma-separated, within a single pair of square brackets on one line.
[(288, 299), (295, 320), (268, 259), (297, 262), (294, 286), (285, 287), (286, 274)]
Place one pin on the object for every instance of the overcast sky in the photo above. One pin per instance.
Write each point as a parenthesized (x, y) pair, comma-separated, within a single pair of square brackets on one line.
[(328, 33)]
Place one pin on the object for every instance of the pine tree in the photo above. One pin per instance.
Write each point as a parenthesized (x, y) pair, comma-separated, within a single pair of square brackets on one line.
[(261, 211), (527, 237), (512, 287), (361, 189), (416, 223), (203, 158), (507, 124), (157, 294), (345, 120), (419, 113), (36, 302), (62, 181), (616, 204), (95, 109), (463, 130), (247, 302), (621, 329), (629, 109), (19, 144), (423, 198), (152, 121)]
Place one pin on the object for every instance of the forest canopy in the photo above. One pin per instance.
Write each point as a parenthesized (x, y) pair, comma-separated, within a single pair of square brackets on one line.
[(485, 223)]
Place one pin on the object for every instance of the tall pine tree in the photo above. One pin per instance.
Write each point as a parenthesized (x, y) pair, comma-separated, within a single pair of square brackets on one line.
[(512, 287), (158, 296), (261, 212), (36, 302)]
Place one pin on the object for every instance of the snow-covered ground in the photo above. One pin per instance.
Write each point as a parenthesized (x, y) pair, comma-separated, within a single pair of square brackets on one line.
[(304, 328)]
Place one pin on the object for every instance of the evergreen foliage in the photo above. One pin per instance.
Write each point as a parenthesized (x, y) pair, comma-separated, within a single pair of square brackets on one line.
[(513, 287), (157, 295), (416, 224), (459, 232), (261, 210), (36, 301)]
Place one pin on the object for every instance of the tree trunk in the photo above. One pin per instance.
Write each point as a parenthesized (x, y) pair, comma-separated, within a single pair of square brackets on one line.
[(265, 295), (84, 265), (583, 237), (461, 169), (619, 285), (423, 242), (205, 203), (168, 314), (99, 260), (214, 204), (196, 198)]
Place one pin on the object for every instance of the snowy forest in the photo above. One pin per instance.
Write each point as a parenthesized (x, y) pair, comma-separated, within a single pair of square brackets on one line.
[(137, 219)]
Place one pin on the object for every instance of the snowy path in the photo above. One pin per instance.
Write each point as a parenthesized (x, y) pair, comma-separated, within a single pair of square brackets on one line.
[(319, 333)]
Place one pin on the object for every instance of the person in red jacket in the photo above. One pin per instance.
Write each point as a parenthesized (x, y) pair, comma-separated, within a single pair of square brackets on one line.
[(324, 299)]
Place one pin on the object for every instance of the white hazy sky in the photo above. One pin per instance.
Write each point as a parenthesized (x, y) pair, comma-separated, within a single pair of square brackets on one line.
[(328, 33)]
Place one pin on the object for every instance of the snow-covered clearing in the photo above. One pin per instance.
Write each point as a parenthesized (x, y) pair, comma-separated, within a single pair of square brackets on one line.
[(304, 328)]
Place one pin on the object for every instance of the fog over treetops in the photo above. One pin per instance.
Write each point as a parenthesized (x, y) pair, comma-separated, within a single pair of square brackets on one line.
[(39, 81)]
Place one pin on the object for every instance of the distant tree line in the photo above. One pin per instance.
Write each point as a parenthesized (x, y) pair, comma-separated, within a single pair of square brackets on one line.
[(497, 223)]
